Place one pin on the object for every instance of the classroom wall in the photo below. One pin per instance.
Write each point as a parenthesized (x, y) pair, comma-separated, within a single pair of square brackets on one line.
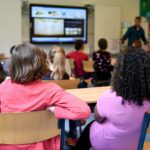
[(107, 25), (129, 9), (10, 24)]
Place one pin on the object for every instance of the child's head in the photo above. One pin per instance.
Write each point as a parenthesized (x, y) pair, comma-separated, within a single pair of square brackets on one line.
[(137, 44), (28, 63), (102, 44), (57, 61), (131, 76), (79, 45)]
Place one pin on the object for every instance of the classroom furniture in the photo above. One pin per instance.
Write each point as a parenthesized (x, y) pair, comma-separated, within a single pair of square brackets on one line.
[(27, 127), (66, 84), (113, 61), (146, 146), (145, 126), (74, 71), (89, 95), (88, 66)]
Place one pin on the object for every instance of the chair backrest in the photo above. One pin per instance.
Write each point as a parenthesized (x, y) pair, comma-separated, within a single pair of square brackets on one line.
[(66, 84), (145, 125), (71, 63), (88, 66), (113, 61), (27, 127), (72, 66)]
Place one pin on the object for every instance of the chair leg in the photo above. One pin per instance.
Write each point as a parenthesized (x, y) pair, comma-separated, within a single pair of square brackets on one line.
[(143, 131), (80, 127), (61, 125)]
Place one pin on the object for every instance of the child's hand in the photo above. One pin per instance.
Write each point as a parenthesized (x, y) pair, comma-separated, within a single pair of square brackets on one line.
[(51, 108)]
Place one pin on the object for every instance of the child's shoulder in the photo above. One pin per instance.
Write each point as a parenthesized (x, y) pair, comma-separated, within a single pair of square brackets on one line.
[(109, 95)]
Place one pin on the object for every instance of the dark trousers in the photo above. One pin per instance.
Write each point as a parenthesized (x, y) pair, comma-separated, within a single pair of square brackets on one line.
[(83, 142)]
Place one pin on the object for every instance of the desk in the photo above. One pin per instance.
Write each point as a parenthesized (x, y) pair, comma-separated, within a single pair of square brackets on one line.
[(89, 95)]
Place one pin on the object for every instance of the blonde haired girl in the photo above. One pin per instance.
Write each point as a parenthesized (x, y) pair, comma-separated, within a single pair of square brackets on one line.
[(57, 63)]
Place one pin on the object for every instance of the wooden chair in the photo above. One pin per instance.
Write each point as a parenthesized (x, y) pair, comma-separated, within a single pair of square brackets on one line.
[(27, 127), (72, 66), (113, 61), (2, 56), (88, 66), (66, 84)]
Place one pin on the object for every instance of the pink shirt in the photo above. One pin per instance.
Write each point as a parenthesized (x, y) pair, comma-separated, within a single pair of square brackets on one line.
[(122, 128), (37, 96), (78, 57)]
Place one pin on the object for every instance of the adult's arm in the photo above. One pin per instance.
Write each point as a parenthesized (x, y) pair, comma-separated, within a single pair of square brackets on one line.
[(126, 35), (143, 37)]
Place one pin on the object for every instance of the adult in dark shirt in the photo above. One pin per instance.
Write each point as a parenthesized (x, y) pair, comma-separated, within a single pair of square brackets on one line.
[(134, 33)]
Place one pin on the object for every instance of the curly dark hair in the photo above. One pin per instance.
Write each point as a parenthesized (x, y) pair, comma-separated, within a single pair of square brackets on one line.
[(28, 63), (131, 76)]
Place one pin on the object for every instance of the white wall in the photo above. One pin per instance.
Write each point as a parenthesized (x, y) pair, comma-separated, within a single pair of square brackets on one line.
[(129, 9), (10, 24), (107, 25)]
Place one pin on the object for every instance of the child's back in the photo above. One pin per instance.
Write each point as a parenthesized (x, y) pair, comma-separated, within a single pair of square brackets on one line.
[(121, 129), (24, 92)]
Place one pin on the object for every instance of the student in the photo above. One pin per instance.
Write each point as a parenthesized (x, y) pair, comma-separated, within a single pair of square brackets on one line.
[(78, 56), (119, 112), (57, 72), (137, 44), (57, 64), (26, 92), (102, 63)]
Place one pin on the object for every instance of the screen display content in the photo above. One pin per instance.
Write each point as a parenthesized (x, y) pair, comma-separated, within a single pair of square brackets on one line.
[(57, 24)]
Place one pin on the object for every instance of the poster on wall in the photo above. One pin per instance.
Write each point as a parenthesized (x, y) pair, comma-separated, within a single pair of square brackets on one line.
[(145, 8)]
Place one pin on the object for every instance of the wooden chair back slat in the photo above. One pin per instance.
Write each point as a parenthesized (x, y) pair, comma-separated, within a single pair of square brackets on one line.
[(27, 127)]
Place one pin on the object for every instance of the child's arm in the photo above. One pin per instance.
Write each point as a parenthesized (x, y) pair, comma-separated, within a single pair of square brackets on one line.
[(97, 116), (67, 105)]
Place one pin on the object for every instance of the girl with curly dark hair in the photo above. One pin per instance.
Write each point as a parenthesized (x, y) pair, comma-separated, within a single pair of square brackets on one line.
[(119, 112)]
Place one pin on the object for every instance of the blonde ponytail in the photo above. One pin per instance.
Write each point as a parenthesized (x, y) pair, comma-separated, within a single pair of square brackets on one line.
[(57, 59)]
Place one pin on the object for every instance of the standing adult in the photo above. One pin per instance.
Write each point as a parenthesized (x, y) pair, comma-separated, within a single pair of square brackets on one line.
[(135, 32)]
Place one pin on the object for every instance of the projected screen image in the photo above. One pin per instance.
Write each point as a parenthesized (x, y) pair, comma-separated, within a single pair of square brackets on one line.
[(57, 24), (48, 27)]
